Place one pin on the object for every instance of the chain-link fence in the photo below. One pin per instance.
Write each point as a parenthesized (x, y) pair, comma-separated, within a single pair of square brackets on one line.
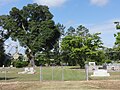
[(42, 73), (60, 73)]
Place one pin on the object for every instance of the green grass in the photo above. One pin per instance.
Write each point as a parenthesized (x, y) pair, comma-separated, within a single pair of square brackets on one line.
[(69, 73)]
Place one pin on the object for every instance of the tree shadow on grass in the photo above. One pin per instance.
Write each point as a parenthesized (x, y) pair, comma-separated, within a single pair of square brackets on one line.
[(75, 68), (7, 78)]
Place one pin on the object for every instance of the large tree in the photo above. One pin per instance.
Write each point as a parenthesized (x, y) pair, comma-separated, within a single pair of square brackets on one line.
[(33, 27), (81, 46)]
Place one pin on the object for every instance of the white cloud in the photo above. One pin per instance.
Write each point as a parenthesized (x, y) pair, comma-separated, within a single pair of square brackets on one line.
[(99, 2), (104, 28), (107, 30), (50, 3)]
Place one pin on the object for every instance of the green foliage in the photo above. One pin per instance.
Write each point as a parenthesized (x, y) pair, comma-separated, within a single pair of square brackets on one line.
[(117, 26), (111, 54), (71, 31), (117, 36), (108, 61), (33, 27), (2, 54), (4, 35), (20, 64), (40, 59), (56, 53), (61, 28), (80, 46)]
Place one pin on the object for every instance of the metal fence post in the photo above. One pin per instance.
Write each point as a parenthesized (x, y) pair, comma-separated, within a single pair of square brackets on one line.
[(52, 72), (62, 73), (86, 71), (40, 73), (5, 73)]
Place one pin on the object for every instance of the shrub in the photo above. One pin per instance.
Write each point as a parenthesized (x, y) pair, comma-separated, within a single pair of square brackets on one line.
[(108, 61), (40, 62), (20, 64)]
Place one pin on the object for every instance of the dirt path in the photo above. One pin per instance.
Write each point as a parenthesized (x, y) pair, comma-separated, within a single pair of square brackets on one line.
[(62, 85)]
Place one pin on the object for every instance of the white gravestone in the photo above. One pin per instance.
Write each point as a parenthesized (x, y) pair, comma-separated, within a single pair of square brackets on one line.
[(31, 71), (92, 66), (91, 63), (100, 73), (28, 71)]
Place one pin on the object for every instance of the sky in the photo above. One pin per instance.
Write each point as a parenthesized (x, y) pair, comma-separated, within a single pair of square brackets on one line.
[(96, 15)]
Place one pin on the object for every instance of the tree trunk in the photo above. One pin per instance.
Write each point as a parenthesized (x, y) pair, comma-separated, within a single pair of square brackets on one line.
[(31, 58), (32, 61)]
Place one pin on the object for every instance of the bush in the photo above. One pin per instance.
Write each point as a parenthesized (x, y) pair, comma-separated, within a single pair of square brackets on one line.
[(40, 62), (118, 61), (108, 61), (20, 64)]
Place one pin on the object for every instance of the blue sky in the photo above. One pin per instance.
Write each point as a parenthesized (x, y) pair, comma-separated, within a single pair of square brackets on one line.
[(96, 15)]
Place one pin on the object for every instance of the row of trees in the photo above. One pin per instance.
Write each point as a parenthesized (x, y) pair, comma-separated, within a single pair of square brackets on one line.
[(48, 43)]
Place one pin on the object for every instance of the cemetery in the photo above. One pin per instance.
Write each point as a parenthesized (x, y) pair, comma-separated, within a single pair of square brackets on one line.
[(75, 77), (59, 45)]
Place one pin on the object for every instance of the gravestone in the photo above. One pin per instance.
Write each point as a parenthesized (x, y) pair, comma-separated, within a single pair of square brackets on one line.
[(92, 66), (28, 71), (100, 73), (31, 70), (91, 63), (104, 66)]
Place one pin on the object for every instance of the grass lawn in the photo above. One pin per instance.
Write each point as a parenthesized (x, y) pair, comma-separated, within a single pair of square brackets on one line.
[(48, 73), (67, 73)]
